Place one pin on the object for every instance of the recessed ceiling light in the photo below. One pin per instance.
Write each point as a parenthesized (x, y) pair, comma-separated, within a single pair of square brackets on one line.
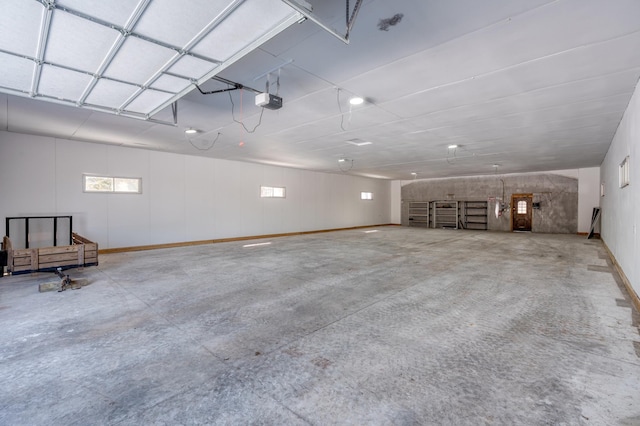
[(359, 142), (191, 131), (453, 146), (342, 160), (356, 100)]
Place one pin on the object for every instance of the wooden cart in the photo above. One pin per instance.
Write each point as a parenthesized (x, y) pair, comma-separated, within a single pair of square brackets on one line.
[(80, 253)]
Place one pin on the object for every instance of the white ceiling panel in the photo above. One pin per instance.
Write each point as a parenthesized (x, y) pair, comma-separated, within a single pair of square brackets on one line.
[(191, 67), (20, 23), (61, 83), (111, 94), (36, 117), (16, 72), (116, 12), (112, 129), (495, 87), (148, 100), (174, 23), (138, 60), (170, 83), (532, 85), (66, 47), (255, 17)]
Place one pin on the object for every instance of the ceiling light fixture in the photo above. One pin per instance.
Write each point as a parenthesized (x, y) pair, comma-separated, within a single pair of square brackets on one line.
[(453, 146), (358, 142), (356, 100), (191, 131), (345, 164)]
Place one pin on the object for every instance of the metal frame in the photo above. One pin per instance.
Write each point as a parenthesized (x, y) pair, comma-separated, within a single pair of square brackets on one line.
[(305, 10), (55, 227), (126, 31)]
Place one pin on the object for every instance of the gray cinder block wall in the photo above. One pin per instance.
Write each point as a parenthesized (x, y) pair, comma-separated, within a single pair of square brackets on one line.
[(557, 195)]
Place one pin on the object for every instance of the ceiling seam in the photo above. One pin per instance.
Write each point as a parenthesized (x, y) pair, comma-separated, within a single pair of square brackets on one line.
[(439, 111), (622, 116), (497, 71), (522, 93)]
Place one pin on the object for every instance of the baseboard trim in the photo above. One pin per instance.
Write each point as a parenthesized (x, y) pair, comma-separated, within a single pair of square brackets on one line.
[(585, 234), (227, 240), (627, 284)]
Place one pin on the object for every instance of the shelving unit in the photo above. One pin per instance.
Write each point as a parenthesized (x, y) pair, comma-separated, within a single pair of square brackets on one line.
[(475, 215), (419, 213), (445, 214)]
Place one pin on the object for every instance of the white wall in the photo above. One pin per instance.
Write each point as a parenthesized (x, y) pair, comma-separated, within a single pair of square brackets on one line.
[(396, 202), (621, 206), (185, 198), (588, 197)]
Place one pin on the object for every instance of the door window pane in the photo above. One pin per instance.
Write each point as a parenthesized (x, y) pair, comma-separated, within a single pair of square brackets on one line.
[(522, 207)]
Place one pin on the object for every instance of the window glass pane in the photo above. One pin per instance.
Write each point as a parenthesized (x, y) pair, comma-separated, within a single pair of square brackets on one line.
[(522, 207), (98, 184), (111, 184), (127, 185), (272, 192), (266, 191)]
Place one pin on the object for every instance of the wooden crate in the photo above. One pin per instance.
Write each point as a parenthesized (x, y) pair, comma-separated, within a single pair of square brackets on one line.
[(82, 252)]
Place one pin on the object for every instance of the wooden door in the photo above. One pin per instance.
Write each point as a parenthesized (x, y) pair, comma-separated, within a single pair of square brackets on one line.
[(521, 212)]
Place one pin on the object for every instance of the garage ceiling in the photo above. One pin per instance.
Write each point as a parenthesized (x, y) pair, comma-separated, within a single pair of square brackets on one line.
[(515, 85)]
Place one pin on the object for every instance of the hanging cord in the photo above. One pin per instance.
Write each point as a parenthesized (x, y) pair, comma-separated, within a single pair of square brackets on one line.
[(342, 114), (205, 148), (454, 155), (344, 170), (240, 122)]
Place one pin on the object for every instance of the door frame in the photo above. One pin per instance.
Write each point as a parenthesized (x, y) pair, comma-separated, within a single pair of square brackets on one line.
[(513, 207)]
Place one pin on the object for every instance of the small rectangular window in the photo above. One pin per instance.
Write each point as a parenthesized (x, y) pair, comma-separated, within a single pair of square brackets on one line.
[(109, 184), (624, 172), (272, 192), (366, 195)]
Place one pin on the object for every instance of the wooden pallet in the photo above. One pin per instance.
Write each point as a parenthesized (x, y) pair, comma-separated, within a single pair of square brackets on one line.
[(82, 252)]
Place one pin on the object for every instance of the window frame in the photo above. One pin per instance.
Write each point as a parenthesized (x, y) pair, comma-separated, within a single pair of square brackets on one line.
[(113, 186), (366, 195), (624, 175), (273, 191)]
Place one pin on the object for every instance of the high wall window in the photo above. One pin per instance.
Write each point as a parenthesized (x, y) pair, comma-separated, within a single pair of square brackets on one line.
[(272, 192), (110, 184), (624, 172), (366, 195)]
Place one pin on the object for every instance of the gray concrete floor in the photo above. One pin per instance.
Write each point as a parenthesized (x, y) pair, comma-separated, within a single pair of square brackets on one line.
[(399, 326)]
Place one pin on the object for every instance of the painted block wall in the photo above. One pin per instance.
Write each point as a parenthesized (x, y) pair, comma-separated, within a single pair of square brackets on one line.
[(184, 198), (557, 194), (621, 206)]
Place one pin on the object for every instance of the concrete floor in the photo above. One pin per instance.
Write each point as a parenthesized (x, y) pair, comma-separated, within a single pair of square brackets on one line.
[(400, 326)]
